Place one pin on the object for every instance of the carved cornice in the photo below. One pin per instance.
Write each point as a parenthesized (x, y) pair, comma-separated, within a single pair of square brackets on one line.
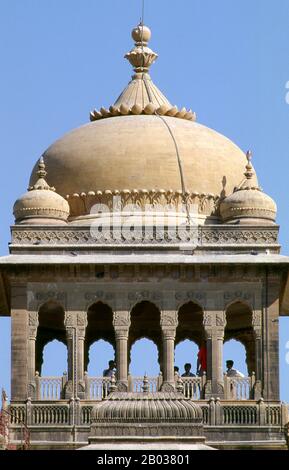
[(157, 199), (204, 237)]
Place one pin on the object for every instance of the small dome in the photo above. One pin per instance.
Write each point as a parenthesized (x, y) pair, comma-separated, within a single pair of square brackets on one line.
[(165, 406), (41, 204), (248, 202)]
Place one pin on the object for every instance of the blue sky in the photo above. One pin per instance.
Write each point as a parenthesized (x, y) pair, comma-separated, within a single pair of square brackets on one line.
[(226, 60)]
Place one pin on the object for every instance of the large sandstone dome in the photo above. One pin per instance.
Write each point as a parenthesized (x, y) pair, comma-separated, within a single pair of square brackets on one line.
[(145, 151), (138, 152)]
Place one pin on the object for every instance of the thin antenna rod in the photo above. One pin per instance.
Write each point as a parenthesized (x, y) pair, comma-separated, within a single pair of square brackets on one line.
[(143, 10)]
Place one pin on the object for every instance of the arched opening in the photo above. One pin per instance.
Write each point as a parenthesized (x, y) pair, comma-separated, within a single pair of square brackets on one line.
[(54, 359), (235, 351), (144, 361), (146, 336), (145, 323), (190, 325), (50, 327), (99, 354), (239, 327), (186, 351), (144, 358), (99, 327)]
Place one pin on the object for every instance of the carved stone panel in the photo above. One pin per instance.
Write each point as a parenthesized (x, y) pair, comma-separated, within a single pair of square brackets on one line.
[(121, 320), (169, 319)]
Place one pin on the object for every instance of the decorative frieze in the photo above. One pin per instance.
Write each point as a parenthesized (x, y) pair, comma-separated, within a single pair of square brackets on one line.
[(137, 296), (239, 295), (202, 236)]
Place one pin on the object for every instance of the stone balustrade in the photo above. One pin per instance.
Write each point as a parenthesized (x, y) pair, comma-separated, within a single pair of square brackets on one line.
[(193, 387), (97, 388), (50, 388), (239, 388), (216, 412)]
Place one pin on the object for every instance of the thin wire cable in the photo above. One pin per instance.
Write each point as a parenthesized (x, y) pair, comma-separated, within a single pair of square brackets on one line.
[(180, 166), (143, 11)]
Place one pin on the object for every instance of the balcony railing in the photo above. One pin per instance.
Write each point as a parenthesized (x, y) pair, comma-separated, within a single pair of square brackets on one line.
[(97, 388), (50, 388), (239, 388), (216, 412), (193, 387)]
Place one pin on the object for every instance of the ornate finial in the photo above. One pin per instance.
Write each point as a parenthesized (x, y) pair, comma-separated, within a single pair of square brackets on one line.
[(41, 168), (141, 96), (145, 387), (249, 173), (112, 386), (141, 34), (41, 183), (248, 183), (180, 384), (141, 57)]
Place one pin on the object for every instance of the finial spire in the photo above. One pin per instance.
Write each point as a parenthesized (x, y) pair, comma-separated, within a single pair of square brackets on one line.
[(249, 173), (142, 96), (249, 181), (145, 387), (113, 386), (141, 57), (41, 183), (41, 168)]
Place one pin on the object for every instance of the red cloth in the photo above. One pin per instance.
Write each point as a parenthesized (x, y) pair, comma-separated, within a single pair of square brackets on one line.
[(202, 356)]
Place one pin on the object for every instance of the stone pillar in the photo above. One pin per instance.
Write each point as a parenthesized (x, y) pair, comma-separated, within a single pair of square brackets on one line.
[(32, 335), (81, 330), (169, 323), (270, 329), (257, 327), (71, 339), (214, 325), (19, 343), (75, 324), (70, 388), (121, 324)]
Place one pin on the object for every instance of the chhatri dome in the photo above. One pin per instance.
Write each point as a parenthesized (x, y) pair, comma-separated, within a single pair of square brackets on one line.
[(248, 204), (146, 151), (41, 204)]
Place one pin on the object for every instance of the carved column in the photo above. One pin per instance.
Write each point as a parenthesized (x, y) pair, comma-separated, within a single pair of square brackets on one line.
[(169, 323), (19, 343), (71, 338), (257, 327), (32, 335), (81, 330), (214, 325), (121, 324), (270, 335)]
